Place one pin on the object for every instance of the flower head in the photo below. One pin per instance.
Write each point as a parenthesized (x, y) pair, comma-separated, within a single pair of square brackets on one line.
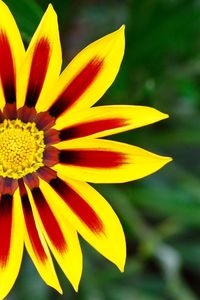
[(50, 147)]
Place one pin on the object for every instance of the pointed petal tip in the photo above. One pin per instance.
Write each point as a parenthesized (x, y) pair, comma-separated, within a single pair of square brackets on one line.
[(75, 282), (76, 287), (51, 11), (161, 162), (121, 265), (59, 290), (120, 262), (121, 268), (164, 116), (55, 284), (119, 33), (166, 160), (50, 6), (155, 115), (50, 15), (122, 28)]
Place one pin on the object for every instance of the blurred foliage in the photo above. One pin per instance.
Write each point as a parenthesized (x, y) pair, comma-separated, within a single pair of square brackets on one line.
[(160, 214)]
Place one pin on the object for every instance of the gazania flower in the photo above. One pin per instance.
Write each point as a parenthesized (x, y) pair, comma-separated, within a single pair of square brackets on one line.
[(50, 147)]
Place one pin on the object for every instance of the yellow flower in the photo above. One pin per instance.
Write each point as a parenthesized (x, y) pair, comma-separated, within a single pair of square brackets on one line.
[(50, 148)]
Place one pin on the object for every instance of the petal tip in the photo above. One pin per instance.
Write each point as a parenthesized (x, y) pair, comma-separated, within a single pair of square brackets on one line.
[(59, 290), (51, 11), (122, 28), (121, 267), (75, 281), (76, 287), (50, 6), (120, 262), (119, 33), (55, 285), (166, 160), (157, 115), (164, 116)]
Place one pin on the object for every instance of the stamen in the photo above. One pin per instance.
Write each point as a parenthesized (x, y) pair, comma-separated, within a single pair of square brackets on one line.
[(21, 148)]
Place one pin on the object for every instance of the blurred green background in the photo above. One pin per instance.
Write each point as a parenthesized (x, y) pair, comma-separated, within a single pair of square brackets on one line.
[(161, 213)]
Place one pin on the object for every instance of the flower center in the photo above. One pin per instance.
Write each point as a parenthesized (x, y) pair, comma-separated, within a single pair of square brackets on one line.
[(21, 148)]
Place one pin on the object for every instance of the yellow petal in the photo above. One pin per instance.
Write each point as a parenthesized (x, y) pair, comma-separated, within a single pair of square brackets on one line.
[(88, 76), (107, 120), (10, 262), (103, 161), (11, 55), (60, 236), (36, 244), (42, 63), (90, 214)]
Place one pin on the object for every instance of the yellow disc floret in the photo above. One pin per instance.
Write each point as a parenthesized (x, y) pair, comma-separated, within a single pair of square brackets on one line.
[(21, 148)]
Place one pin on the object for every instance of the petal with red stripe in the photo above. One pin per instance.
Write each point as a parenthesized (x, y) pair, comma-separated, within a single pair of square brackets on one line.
[(11, 55), (11, 241), (60, 236), (103, 161), (83, 82), (36, 244), (41, 67), (107, 120), (90, 214)]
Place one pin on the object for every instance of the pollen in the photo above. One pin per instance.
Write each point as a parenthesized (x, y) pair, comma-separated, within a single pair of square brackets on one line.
[(21, 148)]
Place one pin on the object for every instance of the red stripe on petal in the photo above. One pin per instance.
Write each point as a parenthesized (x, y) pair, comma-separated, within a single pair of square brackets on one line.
[(92, 158), (78, 205), (6, 207), (7, 70), (49, 221), (76, 87), (38, 71), (32, 230), (30, 225), (88, 128)]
